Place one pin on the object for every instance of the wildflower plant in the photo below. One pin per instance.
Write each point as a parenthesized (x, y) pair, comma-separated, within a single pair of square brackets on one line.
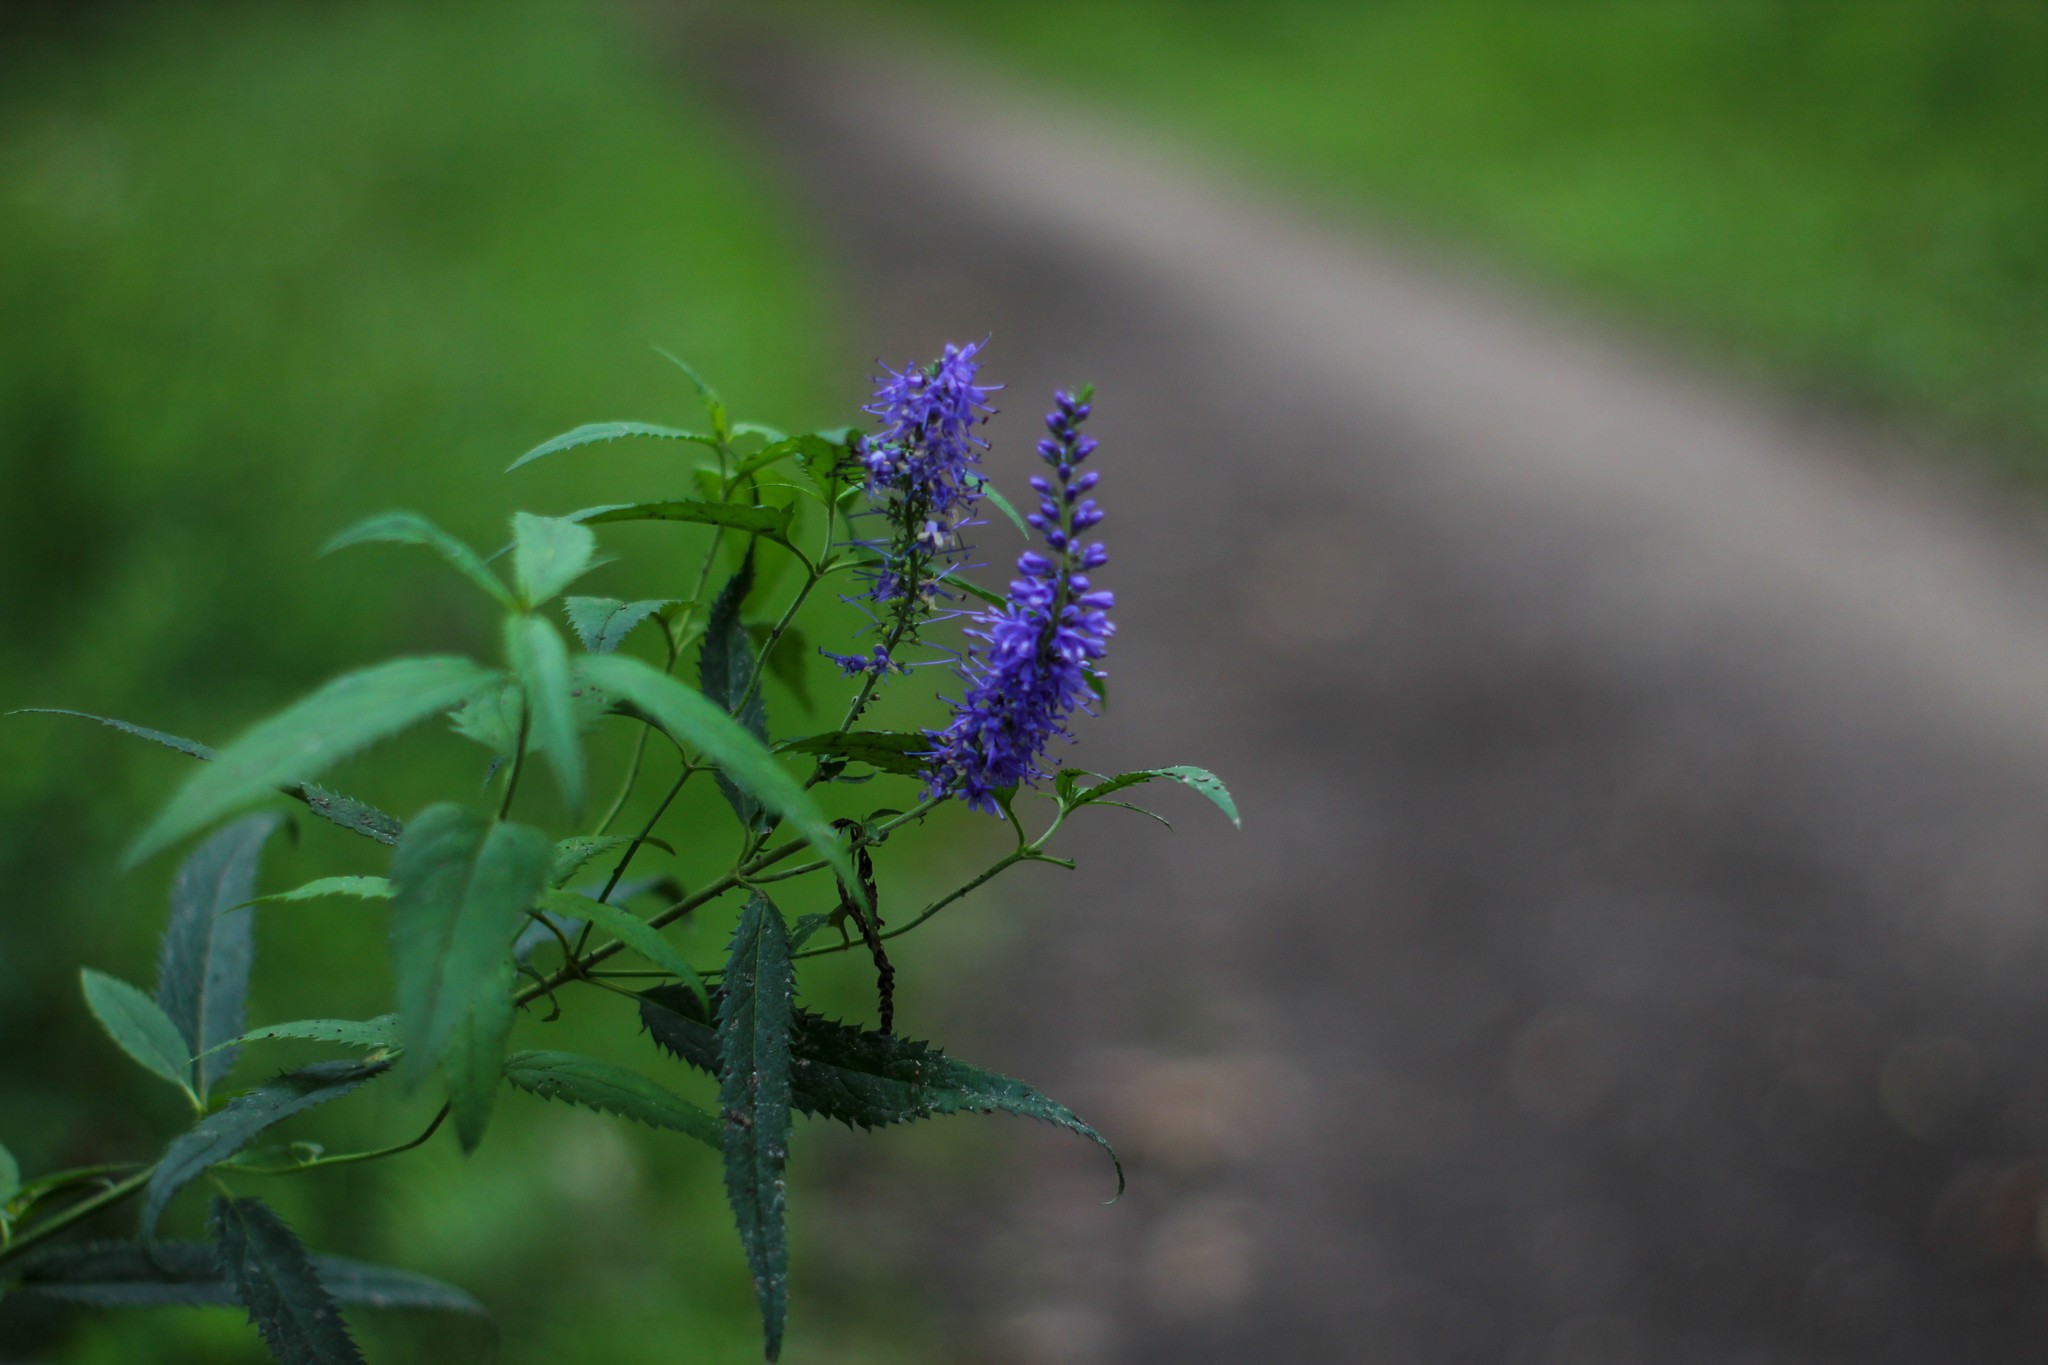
[(497, 927)]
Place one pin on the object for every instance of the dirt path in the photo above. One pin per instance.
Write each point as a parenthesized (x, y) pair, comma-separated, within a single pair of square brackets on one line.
[(1637, 945)]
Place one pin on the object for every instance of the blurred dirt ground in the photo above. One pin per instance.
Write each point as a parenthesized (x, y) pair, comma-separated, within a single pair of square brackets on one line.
[(1634, 949)]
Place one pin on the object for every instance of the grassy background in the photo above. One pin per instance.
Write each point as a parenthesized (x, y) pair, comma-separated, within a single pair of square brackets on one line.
[(267, 268), (1848, 194)]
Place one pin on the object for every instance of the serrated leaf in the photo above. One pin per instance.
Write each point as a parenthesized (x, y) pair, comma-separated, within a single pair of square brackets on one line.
[(475, 1053), (461, 887), (692, 718), (595, 433), (372, 1033), (603, 623), (410, 528), (1199, 779), (548, 554), (892, 751), (188, 1274), (276, 1281), (202, 975), (612, 1090), (360, 888), (771, 523), (330, 806), (725, 667), (312, 735), (541, 663), (139, 1026), (858, 1077), (227, 1130), (635, 933), (755, 1000)]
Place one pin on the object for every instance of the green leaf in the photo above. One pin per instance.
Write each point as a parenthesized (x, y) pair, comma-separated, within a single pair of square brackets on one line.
[(713, 404), (276, 1281), (312, 735), (10, 1176), (1202, 780), (362, 888), (892, 751), (381, 1032), (603, 623), (202, 975), (188, 1274), (140, 1027), (461, 887), (227, 1130), (987, 488), (360, 1283), (861, 1078), (330, 806), (548, 554), (753, 1091), (541, 663), (610, 1090), (769, 522), (975, 591), (642, 937), (593, 433), (475, 1054), (725, 666), (692, 718), (492, 717), (410, 528)]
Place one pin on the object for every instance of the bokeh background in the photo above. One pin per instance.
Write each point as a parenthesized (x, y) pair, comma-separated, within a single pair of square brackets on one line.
[(266, 268)]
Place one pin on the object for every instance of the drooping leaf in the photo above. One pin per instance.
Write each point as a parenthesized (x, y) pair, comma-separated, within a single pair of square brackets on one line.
[(612, 1090), (410, 528), (892, 751), (227, 1130), (276, 1281), (202, 975), (188, 1274), (642, 937), (603, 623), (771, 523), (461, 887), (541, 663), (381, 1032), (139, 1026), (692, 718), (360, 888), (330, 806), (859, 1077), (1200, 779), (475, 1053), (310, 736), (548, 554), (725, 668), (755, 1001), (594, 433)]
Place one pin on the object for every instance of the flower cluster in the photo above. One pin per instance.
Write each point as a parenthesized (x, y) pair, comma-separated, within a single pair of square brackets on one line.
[(1041, 645), (922, 459)]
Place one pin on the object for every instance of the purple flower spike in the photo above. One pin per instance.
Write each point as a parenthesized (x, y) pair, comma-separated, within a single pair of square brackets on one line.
[(926, 448), (1041, 645)]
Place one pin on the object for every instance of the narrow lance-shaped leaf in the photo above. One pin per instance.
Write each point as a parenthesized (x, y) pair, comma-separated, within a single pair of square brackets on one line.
[(725, 667), (310, 736), (140, 1027), (276, 1281), (541, 663), (595, 433), (202, 976), (226, 1131), (357, 888), (1199, 779), (694, 719), (612, 1090), (892, 751), (637, 934), (410, 528), (548, 554), (771, 523), (189, 1274), (753, 1091), (603, 623), (381, 1032)]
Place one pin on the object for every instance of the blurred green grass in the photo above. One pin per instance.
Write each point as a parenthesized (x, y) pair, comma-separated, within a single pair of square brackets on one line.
[(1849, 196), (267, 268)]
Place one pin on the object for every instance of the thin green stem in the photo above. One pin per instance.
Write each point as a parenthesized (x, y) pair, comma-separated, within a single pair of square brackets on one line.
[(84, 1208), (518, 759), (349, 1158)]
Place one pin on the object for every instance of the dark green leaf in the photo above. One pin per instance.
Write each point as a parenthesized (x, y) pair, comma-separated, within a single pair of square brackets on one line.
[(361, 888), (592, 433), (1200, 779), (410, 528), (603, 623), (276, 1281), (226, 1131), (548, 554), (10, 1176), (202, 975), (771, 522), (461, 887), (753, 1091), (611, 1090), (893, 751), (140, 1026), (359, 1283), (635, 933), (310, 736), (541, 663), (791, 662), (725, 667), (475, 1053), (691, 718), (381, 1032), (174, 1274)]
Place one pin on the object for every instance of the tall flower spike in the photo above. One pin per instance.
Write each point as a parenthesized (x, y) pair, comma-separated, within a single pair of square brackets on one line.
[(925, 452), (1040, 645)]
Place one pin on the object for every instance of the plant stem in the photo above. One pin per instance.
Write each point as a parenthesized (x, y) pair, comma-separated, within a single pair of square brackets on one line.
[(518, 759), (84, 1208)]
